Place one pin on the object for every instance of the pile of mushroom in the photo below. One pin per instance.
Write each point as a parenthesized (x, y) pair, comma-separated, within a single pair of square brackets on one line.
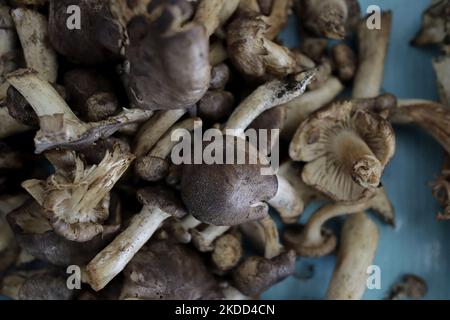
[(89, 111)]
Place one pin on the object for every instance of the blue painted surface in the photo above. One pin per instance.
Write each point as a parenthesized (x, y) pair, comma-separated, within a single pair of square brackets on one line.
[(419, 244)]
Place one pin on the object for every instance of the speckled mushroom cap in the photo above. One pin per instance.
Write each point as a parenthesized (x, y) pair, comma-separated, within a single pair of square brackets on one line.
[(46, 286), (321, 142), (162, 198), (227, 194), (293, 239), (167, 58), (165, 270), (257, 274)]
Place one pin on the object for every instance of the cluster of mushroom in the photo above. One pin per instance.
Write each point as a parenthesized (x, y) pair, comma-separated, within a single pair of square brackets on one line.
[(88, 119)]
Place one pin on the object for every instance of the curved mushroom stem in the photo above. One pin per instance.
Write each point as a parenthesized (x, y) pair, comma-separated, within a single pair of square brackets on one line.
[(203, 240), (277, 18), (154, 166), (359, 241), (10, 126), (363, 166), (32, 29), (372, 45), (59, 125), (212, 13), (267, 96), (113, 259), (287, 201), (300, 108)]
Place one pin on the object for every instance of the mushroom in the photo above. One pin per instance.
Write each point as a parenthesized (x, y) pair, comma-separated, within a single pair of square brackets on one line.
[(314, 48), (442, 69), (251, 49), (345, 61), (181, 228), (154, 166), (217, 53), (169, 271), (101, 34), (227, 252), (242, 197), (34, 234), (411, 286), (9, 49), (263, 234), (100, 106), (59, 127), (359, 241), (313, 239), (76, 198), (32, 29), (213, 13), (167, 63), (372, 50), (46, 286), (346, 150), (434, 24), (204, 239), (324, 72), (300, 108), (332, 19), (257, 274), (272, 121), (220, 74), (158, 205), (215, 105)]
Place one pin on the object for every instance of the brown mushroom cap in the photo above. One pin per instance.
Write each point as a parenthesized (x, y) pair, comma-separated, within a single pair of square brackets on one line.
[(215, 105), (165, 270), (321, 140), (151, 168), (257, 274), (34, 234), (227, 194), (168, 61), (46, 287), (100, 38), (292, 237), (162, 198), (220, 74)]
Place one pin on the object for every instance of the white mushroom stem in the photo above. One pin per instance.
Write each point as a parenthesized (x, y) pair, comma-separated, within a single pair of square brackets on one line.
[(265, 97), (217, 53), (32, 29), (165, 145), (203, 240), (59, 125), (300, 108), (113, 259), (287, 201), (359, 241), (372, 48), (278, 17), (154, 129), (182, 228), (263, 234), (212, 13), (10, 126), (359, 160), (442, 69), (189, 222)]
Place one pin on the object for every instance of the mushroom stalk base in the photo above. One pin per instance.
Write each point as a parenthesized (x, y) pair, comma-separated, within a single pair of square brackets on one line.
[(287, 201), (113, 259)]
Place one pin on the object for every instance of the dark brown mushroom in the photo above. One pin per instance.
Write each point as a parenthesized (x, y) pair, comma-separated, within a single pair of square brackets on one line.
[(220, 74), (434, 24), (344, 60), (411, 286), (257, 274), (46, 286), (164, 270), (215, 105)]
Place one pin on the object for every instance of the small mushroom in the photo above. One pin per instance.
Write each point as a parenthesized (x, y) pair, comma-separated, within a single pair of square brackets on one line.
[(227, 252), (346, 150), (215, 105), (434, 24), (313, 239), (345, 61), (59, 127), (372, 50), (257, 274), (359, 241), (164, 270), (158, 205), (204, 239), (332, 19), (181, 228), (220, 74), (35, 235), (167, 63), (314, 48), (272, 121), (100, 106), (76, 198), (32, 29), (300, 108), (263, 234), (154, 166), (411, 286)]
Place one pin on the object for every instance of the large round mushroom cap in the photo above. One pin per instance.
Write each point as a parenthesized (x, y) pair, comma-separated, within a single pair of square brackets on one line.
[(168, 60), (227, 194), (169, 271), (346, 149), (162, 198)]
